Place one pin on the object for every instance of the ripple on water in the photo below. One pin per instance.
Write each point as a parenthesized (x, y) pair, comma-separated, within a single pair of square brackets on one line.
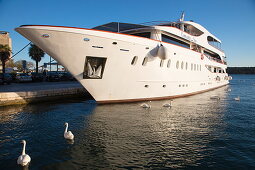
[(197, 132)]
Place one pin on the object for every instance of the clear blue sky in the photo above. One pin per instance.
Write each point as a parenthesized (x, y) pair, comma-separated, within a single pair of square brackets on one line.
[(232, 21)]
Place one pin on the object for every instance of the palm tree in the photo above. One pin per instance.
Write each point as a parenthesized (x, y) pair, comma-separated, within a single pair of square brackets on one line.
[(36, 54), (5, 53)]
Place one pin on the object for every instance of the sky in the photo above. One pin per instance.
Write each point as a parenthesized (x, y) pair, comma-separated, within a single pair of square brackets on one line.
[(232, 21)]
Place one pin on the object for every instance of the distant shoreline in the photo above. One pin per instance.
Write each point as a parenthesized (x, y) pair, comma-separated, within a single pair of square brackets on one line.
[(241, 70)]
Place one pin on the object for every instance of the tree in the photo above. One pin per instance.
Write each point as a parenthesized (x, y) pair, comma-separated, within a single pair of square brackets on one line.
[(10, 63), (18, 64), (5, 53), (36, 54), (30, 65)]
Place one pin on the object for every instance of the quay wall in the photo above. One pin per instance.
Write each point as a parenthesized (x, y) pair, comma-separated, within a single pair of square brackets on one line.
[(25, 97)]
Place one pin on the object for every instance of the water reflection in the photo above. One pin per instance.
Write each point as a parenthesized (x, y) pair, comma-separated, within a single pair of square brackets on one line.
[(128, 136), (41, 125), (117, 135)]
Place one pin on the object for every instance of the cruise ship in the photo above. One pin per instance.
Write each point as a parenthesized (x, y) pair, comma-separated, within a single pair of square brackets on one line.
[(122, 62)]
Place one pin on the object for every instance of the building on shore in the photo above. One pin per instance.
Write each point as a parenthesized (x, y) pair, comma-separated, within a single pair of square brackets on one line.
[(5, 40)]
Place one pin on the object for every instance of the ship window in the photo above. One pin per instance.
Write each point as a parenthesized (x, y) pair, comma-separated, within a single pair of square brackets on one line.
[(191, 66), (172, 40), (194, 67), (215, 70), (143, 34), (186, 66), (134, 60), (169, 63), (161, 63), (177, 64), (94, 67), (212, 41), (145, 60), (213, 56), (182, 65)]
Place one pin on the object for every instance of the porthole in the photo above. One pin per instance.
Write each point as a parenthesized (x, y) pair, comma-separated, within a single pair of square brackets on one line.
[(169, 63), (45, 36), (182, 64), (145, 60), (134, 60), (186, 66), (161, 63), (177, 64), (146, 85), (164, 86)]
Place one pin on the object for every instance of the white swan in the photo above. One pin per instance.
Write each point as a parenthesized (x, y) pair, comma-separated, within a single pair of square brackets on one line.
[(146, 105), (215, 97), (237, 98), (23, 159), (168, 104), (68, 134)]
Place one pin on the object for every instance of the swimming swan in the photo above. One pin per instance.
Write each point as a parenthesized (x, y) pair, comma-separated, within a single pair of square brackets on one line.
[(68, 134), (237, 98), (168, 104), (23, 159), (215, 97), (146, 105)]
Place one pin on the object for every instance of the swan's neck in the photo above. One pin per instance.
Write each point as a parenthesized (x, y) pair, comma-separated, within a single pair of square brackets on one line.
[(24, 149), (66, 128)]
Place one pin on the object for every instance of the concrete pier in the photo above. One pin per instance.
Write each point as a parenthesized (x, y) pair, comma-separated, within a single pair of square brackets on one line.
[(25, 93)]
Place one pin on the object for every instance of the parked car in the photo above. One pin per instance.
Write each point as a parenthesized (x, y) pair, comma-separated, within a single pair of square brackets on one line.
[(23, 77), (5, 78), (52, 76), (37, 77), (66, 76)]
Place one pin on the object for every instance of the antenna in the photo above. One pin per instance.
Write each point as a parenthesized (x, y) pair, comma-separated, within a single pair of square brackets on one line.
[(182, 16)]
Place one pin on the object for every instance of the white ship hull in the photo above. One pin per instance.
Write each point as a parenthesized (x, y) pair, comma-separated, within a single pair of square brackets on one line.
[(120, 80)]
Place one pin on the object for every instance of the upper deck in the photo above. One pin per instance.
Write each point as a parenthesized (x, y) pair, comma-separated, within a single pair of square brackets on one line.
[(183, 33)]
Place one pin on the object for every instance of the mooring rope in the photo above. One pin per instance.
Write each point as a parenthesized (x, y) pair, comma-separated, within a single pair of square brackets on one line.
[(21, 50)]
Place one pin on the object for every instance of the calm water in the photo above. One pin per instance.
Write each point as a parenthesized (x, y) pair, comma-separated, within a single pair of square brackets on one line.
[(196, 133)]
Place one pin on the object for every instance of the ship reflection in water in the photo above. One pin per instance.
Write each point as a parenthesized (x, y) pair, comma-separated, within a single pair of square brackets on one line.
[(188, 135)]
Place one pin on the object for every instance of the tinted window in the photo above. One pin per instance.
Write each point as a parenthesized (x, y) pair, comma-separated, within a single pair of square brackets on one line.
[(145, 60), (143, 34), (134, 60), (172, 40), (168, 63), (161, 63)]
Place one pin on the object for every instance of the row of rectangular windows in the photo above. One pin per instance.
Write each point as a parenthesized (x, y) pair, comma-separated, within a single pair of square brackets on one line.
[(193, 66)]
